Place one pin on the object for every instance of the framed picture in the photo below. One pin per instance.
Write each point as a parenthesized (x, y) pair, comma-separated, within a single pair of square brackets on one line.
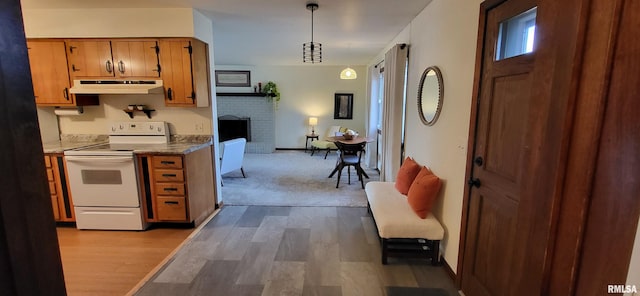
[(233, 78), (343, 108)]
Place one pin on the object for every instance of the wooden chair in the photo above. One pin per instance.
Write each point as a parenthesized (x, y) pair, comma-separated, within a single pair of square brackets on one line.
[(350, 156)]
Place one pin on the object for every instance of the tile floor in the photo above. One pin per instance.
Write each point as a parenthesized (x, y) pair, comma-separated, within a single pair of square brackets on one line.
[(264, 250)]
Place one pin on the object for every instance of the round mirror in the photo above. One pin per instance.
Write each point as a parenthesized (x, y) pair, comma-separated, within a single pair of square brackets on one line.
[(430, 94)]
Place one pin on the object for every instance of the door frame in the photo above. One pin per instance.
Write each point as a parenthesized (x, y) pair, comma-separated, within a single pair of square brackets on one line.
[(473, 120)]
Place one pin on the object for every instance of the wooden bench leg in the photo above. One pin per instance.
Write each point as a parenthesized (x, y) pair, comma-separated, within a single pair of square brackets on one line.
[(435, 253)]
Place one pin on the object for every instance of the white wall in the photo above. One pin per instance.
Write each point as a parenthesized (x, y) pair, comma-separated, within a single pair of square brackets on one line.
[(96, 119), (307, 91), (633, 275), (444, 35), (108, 22)]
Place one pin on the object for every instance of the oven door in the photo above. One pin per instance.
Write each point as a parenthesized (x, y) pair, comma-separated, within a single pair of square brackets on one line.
[(103, 181)]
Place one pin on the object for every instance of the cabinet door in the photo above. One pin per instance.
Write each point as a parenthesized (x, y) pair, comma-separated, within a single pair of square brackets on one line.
[(175, 58), (90, 58), (136, 58), (49, 73)]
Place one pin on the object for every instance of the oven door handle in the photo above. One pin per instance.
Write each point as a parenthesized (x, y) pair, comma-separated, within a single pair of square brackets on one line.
[(94, 159)]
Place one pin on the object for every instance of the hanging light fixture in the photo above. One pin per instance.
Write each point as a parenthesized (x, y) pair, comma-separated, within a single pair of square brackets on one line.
[(312, 51), (348, 73)]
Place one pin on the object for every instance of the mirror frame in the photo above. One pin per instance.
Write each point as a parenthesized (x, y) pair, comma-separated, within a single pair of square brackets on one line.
[(440, 95)]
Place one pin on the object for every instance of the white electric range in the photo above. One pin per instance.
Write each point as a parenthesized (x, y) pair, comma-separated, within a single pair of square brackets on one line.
[(103, 179)]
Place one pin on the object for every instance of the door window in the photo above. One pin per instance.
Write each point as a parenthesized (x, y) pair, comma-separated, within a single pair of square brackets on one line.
[(516, 35)]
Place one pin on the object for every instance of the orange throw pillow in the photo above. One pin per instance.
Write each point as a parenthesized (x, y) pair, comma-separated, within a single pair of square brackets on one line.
[(407, 173), (423, 192)]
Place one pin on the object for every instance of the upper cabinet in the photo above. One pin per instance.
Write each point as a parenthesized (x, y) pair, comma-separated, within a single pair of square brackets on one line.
[(181, 63), (97, 58), (50, 76), (185, 72)]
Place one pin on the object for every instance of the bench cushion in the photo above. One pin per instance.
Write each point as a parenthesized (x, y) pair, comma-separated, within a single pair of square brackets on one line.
[(322, 144), (395, 218)]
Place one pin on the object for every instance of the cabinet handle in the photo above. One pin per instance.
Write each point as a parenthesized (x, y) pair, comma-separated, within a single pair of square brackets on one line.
[(65, 93), (170, 189), (157, 69), (73, 68), (171, 202), (121, 67), (170, 94), (167, 162), (108, 67), (193, 96), (71, 48), (169, 175)]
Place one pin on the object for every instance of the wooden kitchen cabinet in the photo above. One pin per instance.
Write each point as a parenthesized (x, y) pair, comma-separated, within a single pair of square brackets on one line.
[(136, 58), (61, 201), (50, 76), (176, 187), (185, 72), (104, 58)]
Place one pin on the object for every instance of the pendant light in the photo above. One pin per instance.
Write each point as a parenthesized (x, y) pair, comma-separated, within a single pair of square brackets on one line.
[(312, 51), (348, 73)]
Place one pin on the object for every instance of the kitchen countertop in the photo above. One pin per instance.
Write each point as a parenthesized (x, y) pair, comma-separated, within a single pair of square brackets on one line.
[(73, 142), (178, 145), (171, 148)]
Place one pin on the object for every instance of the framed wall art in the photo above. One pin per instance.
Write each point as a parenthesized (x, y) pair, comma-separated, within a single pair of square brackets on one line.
[(233, 78), (343, 108)]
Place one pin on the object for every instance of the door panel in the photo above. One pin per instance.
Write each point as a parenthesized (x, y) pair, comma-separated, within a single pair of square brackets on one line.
[(505, 125), (500, 150), (135, 59), (90, 58)]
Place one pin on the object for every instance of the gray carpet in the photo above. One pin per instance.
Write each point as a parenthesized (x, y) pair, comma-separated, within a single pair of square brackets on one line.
[(293, 178)]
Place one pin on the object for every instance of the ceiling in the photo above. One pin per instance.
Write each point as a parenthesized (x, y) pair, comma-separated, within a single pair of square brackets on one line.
[(259, 32)]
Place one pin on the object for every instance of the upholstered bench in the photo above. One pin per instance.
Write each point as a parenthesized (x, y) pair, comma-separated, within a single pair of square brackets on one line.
[(402, 232)]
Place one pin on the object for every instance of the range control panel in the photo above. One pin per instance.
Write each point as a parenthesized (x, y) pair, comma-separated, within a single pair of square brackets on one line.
[(148, 128)]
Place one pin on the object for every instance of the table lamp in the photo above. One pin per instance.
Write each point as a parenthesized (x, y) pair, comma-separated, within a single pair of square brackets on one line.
[(313, 121)]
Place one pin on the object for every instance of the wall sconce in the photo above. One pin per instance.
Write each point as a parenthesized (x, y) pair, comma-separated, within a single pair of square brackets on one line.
[(313, 121)]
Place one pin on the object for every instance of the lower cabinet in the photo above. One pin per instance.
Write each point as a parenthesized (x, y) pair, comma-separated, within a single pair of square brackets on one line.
[(177, 187), (61, 201)]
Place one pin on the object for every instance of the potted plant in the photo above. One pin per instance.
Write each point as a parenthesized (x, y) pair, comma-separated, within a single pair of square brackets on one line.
[(271, 90)]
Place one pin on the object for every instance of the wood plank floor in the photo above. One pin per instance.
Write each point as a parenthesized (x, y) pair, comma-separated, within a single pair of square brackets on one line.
[(266, 250), (113, 262)]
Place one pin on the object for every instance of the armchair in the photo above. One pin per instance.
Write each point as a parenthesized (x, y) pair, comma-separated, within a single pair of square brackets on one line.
[(232, 155), (324, 144)]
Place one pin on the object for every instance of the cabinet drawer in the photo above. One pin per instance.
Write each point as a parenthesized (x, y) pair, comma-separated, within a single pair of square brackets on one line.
[(50, 174), (54, 205), (170, 189), (171, 208), (52, 188), (168, 175), (167, 162)]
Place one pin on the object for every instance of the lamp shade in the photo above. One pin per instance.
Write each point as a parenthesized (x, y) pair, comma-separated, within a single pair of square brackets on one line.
[(348, 73), (313, 121)]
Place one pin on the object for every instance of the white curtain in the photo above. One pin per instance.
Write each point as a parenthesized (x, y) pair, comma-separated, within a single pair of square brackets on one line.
[(395, 61), (372, 116)]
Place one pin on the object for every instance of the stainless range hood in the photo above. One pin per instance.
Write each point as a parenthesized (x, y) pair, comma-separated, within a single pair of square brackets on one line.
[(122, 87)]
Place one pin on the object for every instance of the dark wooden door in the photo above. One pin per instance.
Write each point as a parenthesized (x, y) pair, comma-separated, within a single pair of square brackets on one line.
[(500, 156)]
